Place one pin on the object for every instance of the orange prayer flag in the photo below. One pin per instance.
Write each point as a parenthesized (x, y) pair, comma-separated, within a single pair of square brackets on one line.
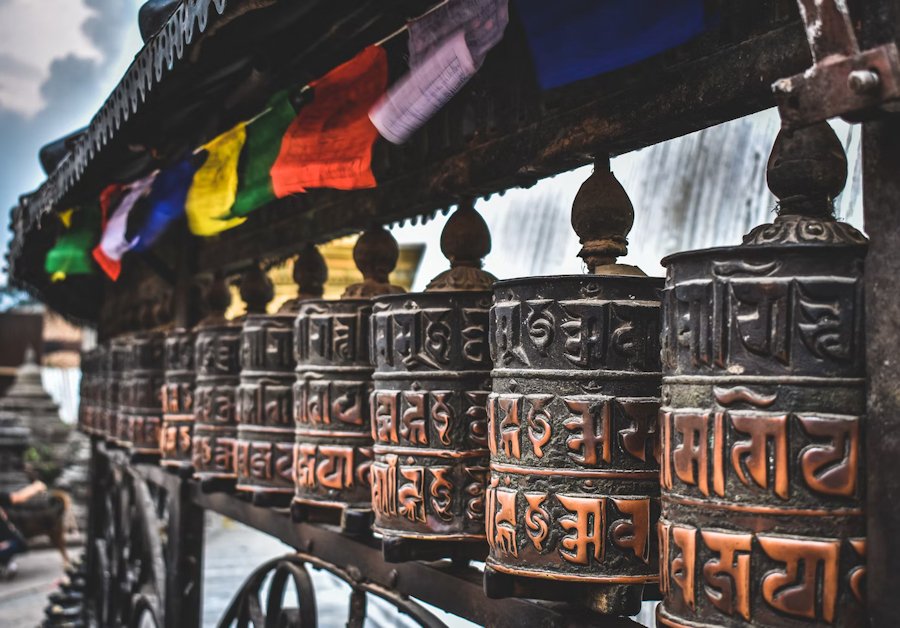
[(329, 143)]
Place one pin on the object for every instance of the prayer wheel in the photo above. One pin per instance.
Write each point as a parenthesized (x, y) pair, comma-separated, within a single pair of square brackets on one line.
[(88, 388), (178, 400), (762, 420), (265, 449), (217, 367), (574, 490), (115, 364), (333, 453), (432, 380), (140, 418)]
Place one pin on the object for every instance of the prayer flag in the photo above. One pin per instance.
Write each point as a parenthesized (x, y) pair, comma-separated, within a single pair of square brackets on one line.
[(572, 40), (482, 21), (446, 48), (215, 184), (166, 200), (71, 254), (329, 143), (260, 152), (113, 243)]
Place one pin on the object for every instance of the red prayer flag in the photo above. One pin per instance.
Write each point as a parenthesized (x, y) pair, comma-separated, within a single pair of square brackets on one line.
[(329, 143)]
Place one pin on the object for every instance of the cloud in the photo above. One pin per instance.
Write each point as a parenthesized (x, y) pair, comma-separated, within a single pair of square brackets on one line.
[(75, 86)]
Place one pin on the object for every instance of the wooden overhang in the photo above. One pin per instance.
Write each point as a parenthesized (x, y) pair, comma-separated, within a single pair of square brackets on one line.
[(216, 62)]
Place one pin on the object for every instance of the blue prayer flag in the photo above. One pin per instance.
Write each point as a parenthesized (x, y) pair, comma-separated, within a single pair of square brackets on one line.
[(166, 200), (572, 40)]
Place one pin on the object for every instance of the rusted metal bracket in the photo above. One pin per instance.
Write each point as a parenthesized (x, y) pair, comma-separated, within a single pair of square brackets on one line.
[(843, 81)]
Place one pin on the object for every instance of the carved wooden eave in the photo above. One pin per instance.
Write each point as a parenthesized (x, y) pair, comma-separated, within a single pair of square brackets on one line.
[(501, 131)]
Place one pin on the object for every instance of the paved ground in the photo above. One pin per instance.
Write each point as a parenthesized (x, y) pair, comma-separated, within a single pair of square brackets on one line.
[(22, 599)]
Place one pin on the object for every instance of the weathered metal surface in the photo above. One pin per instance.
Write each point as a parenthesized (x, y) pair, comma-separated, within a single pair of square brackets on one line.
[(574, 469), (217, 364), (762, 419), (138, 576), (432, 380), (178, 400), (140, 417), (265, 446), (333, 381), (90, 391), (881, 163), (843, 80), (114, 366)]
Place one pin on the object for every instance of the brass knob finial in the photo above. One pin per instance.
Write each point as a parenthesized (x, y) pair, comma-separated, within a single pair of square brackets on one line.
[(602, 216), (256, 289), (310, 275), (465, 241), (807, 169), (218, 299), (375, 254)]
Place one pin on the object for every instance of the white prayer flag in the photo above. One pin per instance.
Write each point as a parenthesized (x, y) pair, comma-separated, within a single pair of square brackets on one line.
[(113, 244), (446, 48)]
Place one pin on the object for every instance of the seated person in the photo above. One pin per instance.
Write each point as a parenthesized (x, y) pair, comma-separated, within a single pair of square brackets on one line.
[(11, 541)]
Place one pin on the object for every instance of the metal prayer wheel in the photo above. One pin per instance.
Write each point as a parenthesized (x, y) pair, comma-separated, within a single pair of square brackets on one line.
[(178, 400), (432, 380), (114, 365), (574, 491), (140, 417), (333, 452), (89, 387), (762, 419), (217, 368), (265, 449)]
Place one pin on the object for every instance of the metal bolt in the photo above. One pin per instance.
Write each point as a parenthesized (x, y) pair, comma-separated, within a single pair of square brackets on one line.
[(863, 81)]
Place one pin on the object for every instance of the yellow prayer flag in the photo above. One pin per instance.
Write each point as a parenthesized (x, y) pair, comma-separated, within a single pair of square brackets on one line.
[(65, 217), (215, 184)]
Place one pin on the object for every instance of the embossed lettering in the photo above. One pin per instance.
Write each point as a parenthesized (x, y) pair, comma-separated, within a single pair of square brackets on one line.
[(442, 414), (538, 424), (810, 566), (441, 492), (831, 468), (690, 456), (590, 425), (537, 520), (753, 454), (683, 565), (412, 423), (586, 526), (633, 532), (727, 576)]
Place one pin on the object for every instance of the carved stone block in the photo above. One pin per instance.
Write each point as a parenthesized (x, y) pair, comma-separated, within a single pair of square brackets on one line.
[(762, 437), (572, 431), (429, 418)]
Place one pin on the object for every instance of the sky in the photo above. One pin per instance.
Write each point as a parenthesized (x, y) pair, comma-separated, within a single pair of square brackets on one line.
[(59, 59)]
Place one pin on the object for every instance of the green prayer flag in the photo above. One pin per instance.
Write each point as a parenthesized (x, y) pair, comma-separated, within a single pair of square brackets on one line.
[(260, 152), (71, 255)]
